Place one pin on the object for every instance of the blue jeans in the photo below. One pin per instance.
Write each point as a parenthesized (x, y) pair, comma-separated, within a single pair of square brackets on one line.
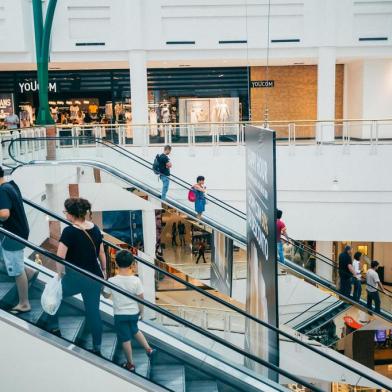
[(373, 296), (165, 185), (280, 252), (357, 289)]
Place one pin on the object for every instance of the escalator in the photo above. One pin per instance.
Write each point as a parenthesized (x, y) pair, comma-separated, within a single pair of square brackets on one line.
[(187, 357), (138, 173), (229, 344)]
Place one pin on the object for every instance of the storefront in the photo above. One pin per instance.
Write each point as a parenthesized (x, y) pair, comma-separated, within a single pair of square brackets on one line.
[(179, 95)]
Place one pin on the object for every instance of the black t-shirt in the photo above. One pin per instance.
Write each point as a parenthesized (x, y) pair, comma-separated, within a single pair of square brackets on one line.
[(163, 161), (344, 261), (81, 251), (181, 228), (11, 199)]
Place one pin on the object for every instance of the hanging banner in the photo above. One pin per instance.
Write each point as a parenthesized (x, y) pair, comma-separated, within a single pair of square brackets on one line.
[(262, 295), (6, 105), (222, 263)]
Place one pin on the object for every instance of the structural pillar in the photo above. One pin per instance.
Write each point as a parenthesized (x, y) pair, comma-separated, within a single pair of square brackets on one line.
[(326, 76), (323, 269), (139, 96)]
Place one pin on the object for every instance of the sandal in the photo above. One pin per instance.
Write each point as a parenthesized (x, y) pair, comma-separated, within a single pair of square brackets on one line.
[(129, 366), (16, 311)]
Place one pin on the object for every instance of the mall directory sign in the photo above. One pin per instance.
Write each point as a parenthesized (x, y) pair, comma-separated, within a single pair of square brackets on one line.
[(262, 296)]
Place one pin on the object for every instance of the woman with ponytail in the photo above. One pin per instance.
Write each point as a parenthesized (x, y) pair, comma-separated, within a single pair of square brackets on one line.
[(81, 245)]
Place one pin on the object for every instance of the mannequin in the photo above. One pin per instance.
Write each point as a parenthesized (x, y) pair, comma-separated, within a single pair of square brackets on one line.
[(128, 121), (222, 111), (153, 120), (74, 109), (118, 108)]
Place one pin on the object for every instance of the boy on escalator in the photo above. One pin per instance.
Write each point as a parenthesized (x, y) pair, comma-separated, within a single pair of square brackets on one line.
[(126, 310)]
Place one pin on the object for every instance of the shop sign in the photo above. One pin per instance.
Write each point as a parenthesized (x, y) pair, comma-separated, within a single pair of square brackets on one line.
[(6, 105), (262, 295), (262, 83), (26, 87)]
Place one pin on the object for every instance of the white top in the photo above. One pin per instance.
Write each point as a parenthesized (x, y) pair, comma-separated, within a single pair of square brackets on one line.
[(372, 280), (357, 269), (123, 305)]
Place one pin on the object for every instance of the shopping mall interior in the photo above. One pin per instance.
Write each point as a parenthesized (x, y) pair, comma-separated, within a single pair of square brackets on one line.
[(190, 127)]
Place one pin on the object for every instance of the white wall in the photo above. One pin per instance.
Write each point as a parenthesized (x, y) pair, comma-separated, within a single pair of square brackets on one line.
[(124, 25), (47, 368)]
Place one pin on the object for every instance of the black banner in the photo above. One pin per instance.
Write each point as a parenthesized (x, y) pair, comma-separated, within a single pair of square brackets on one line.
[(262, 296)]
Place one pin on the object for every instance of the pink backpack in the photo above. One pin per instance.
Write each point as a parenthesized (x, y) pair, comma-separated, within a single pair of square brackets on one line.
[(192, 195)]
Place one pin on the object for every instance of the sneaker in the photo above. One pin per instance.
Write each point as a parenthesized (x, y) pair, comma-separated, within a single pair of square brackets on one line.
[(151, 352), (129, 366)]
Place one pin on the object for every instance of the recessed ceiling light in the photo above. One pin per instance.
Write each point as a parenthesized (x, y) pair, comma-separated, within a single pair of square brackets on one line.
[(299, 63), (184, 65)]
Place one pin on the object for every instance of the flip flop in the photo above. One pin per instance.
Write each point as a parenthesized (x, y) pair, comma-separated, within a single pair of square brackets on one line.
[(19, 311)]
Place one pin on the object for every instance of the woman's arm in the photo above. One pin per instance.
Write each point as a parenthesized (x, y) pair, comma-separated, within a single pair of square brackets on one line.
[(199, 188), (102, 259), (62, 253)]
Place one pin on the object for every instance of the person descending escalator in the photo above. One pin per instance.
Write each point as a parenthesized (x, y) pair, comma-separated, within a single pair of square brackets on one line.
[(81, 245), (280, 229)]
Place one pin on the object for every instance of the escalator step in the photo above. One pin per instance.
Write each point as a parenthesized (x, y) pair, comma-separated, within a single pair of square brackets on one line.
[(170, 376), (5, 288), (36, 312), (71, 326), (202, 386), (109, 342)]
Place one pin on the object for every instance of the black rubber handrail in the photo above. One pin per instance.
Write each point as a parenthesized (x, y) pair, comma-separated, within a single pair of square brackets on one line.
[(187, 184), (207, 294), (125, 152), (307, 310), (165, 312)]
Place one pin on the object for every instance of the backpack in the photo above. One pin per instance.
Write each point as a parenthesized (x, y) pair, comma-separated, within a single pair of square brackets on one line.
[(156, 166), (192, 195)]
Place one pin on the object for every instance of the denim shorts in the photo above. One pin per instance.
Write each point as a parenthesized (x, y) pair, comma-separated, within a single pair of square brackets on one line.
[(13, 261), (126, 326)]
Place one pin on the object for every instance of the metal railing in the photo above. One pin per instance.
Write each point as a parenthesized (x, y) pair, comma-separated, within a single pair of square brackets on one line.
[(341, 131)]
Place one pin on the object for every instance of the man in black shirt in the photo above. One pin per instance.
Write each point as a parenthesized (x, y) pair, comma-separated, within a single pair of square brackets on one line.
[(346, 271), (13, 219), (164, 170)]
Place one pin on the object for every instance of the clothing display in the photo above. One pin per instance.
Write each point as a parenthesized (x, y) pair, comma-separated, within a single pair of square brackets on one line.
[(153, 120), (93, 109), (128, 121), (222, 111), (74, 109), (109, 109), (165, 113), (118, 110)]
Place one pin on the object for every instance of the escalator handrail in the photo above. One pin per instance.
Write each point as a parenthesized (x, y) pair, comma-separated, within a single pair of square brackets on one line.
[(307, 309), (188, 185), (145, 188), (127, 154), (162, 311), (212, 297), (320, 257)]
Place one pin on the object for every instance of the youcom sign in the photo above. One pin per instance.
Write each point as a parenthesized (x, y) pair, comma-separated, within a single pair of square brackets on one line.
[(25, 87)]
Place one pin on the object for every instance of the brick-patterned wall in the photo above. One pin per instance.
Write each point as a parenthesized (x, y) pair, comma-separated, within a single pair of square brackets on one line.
[(294, 96)]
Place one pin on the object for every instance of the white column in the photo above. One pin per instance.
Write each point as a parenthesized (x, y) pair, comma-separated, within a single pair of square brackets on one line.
[(326, 71), (323, 269), (139, 96)]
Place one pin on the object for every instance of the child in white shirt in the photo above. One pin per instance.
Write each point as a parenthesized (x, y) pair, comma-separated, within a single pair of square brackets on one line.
[(127, 311)]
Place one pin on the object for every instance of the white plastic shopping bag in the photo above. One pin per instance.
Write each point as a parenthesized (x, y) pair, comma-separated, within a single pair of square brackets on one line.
[(52, 296)]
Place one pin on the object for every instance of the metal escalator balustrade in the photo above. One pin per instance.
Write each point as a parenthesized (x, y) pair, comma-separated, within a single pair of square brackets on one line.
[(186, 354), (242, 320)]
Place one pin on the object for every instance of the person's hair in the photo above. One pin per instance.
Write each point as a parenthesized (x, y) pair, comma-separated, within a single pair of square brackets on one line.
[(347, 248), (279, 214), (77, 207), (200, 178), (167, 148), (1, 172), (357, 256), (124, 258), (374, 264)]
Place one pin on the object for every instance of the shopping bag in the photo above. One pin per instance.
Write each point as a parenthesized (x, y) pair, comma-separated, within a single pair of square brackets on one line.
[(52, 296)]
